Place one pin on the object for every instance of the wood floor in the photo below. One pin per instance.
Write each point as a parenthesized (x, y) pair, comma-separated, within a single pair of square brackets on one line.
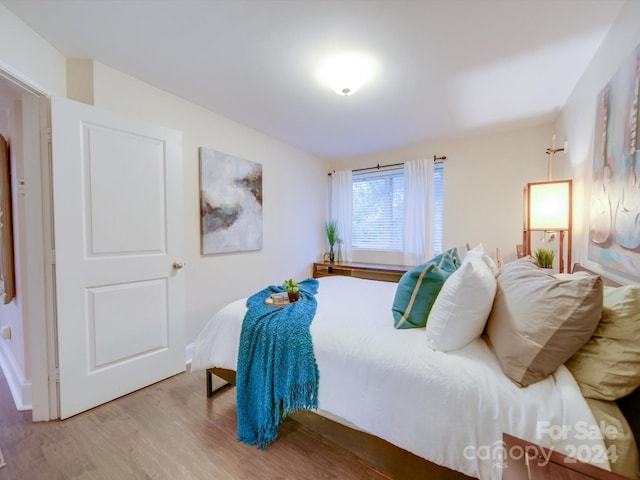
[(169, 430)]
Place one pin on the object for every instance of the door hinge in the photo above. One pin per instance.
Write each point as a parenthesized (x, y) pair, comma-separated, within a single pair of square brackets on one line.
[(52, 257), (46, 134), (54, 375)]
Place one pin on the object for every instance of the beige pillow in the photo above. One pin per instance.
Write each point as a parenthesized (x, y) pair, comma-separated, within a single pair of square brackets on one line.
[(607, 367), (538, 321), (617, 437)]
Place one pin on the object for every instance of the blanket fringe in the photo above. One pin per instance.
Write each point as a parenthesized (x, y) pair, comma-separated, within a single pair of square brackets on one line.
[(302, 397)]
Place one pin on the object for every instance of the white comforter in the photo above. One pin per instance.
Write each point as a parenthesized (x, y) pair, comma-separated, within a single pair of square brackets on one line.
[(450, 408)]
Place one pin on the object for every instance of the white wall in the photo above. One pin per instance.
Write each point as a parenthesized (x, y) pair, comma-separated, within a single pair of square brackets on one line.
[(578, 118), (293, 188), (24, 51), (484, 177)]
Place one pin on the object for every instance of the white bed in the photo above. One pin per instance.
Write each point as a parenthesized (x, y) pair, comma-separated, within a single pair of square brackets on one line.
[(449, 408)]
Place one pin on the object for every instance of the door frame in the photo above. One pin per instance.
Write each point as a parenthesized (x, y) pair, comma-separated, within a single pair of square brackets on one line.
[(38, 259)]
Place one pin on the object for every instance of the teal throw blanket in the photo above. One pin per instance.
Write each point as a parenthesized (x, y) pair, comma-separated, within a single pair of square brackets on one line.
[(277, 371)]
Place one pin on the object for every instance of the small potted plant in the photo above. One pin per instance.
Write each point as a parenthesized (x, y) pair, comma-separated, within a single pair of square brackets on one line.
[(544, 258), (331, 229), (293, 290)]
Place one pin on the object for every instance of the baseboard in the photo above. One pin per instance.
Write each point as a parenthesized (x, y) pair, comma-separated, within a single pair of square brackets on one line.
[(19, 387), (189, 351)]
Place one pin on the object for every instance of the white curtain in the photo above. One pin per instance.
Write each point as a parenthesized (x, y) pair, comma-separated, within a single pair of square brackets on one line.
[(342, 210), (418, 211)]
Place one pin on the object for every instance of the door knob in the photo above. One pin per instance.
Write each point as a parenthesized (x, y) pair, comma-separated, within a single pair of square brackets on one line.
[(177, 265)]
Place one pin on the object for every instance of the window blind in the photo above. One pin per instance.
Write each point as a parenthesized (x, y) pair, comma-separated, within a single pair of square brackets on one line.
[(438, 178), (378, 196)]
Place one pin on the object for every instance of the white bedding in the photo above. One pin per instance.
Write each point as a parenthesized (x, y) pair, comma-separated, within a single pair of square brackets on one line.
[(450, 408)]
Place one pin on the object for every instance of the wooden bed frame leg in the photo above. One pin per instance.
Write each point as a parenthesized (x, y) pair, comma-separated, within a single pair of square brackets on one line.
[(227, 375), (209, 383)]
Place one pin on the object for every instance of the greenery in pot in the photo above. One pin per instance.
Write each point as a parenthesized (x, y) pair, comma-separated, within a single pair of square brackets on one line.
[(331, 229), (293, 290), (544, 258)]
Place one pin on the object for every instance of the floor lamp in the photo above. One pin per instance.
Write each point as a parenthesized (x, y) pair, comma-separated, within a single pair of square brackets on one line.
[(547, 208)]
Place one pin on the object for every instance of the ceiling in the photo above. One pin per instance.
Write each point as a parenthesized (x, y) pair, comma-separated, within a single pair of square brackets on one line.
[(442, 68)]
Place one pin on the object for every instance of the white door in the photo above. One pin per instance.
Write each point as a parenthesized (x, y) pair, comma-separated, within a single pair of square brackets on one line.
[(117, 202)]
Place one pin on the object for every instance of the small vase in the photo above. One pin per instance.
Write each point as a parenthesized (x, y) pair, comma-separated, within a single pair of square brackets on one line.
[(332, 255), (293, 296)]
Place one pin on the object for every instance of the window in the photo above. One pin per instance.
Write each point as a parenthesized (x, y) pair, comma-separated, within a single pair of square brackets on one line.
[(378, 197), (438, 174), (377, 209)]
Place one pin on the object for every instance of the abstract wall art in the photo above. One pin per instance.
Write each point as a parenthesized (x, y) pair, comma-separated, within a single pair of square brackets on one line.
[(614, 228), (230, 203)]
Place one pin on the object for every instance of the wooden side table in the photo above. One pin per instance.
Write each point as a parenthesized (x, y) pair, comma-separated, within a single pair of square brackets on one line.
[(371, 271)]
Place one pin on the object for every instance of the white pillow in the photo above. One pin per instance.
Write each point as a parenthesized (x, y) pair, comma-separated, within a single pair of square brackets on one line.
[(478, 252), (461, 310)]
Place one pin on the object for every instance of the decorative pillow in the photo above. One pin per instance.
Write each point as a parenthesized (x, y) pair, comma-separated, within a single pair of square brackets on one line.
[(419, 287), (462, 307), (607, 367), (538, 321), (620, 441)]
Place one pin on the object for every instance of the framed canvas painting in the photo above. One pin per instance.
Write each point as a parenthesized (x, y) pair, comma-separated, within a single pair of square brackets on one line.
[(7, 279), (230, 203), (614, 225)]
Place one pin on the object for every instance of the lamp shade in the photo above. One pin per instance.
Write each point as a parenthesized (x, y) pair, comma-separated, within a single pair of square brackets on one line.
[(549, 205)]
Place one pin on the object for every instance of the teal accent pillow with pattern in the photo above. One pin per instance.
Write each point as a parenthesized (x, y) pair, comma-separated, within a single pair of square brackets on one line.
[(419, 287)]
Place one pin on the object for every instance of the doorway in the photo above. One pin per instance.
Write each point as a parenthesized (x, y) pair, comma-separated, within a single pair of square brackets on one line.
[(28, 351), (102, 314)]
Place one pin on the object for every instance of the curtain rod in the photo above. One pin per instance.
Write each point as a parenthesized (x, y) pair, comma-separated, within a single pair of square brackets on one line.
[(378, 166)]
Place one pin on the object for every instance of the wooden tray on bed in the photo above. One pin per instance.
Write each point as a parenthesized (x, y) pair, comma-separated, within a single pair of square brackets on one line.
[(271, 302)]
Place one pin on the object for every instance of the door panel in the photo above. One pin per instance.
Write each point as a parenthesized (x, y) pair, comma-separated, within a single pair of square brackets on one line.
[(138, 309), (117, 195), (125, 174)]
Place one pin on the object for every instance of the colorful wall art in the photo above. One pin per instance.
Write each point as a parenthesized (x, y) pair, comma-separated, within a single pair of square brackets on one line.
[(614, 233), (230, 203)]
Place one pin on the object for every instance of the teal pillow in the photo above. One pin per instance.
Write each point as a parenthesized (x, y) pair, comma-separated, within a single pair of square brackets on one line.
[(419, 287)]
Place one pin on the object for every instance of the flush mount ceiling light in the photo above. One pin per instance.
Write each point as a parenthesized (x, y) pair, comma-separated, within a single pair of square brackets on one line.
[(346, 73)]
